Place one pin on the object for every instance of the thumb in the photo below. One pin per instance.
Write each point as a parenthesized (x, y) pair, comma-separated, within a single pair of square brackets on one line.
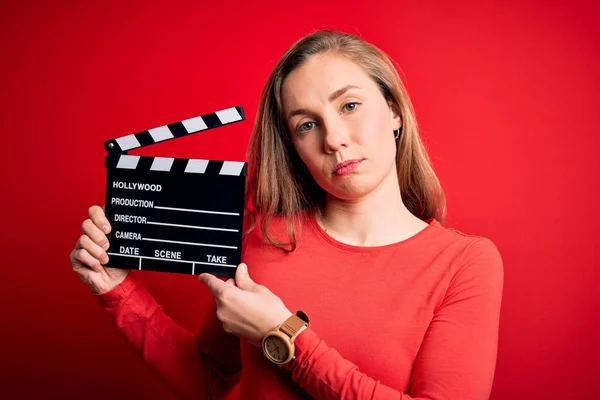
[(242, 279)]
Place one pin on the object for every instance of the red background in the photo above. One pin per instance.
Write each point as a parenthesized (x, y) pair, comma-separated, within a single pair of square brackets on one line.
[(506, 94)]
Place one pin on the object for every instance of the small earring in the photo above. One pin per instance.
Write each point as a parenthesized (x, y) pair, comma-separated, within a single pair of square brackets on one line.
[(397, 133)]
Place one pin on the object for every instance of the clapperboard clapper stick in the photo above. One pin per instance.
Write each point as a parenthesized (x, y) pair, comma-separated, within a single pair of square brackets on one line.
[(174, 214)]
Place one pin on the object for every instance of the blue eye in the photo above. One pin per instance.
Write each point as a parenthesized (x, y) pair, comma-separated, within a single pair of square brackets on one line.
[(304, 127), (355, 105)]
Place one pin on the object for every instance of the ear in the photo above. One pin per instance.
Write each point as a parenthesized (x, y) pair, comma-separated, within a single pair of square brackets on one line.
[(395, 115)]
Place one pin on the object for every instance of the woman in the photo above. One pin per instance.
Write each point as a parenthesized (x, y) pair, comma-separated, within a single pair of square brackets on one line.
[(345, 225)]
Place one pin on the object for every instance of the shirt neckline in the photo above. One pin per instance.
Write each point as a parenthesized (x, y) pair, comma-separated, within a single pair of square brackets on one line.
[(432, 223)]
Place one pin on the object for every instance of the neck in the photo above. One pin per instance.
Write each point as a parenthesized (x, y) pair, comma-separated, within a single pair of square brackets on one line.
[(377, 219)]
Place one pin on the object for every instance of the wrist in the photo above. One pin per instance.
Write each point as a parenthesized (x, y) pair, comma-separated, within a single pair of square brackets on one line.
[(281, 319)]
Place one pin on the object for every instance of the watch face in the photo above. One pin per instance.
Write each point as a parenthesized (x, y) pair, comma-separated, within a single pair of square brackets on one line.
[(276, 348)]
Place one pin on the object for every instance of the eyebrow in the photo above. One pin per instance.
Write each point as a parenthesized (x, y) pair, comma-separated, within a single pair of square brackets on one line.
[(332, 97)]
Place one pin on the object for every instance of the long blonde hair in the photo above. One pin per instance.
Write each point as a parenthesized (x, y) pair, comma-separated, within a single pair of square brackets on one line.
[(279, 185)]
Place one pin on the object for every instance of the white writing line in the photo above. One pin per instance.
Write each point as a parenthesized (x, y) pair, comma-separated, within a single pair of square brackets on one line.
[(198, 211), (169, 259), (190, 243), (208, 228)]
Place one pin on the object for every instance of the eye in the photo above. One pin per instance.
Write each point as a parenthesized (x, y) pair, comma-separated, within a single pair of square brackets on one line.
[(306, 126), (351, 106)]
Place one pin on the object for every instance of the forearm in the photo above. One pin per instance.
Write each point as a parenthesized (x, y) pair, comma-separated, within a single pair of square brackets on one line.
[(169, 349), (325, 374)]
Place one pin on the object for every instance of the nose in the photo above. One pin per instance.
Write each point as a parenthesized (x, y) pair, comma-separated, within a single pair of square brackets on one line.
[(335, 136)]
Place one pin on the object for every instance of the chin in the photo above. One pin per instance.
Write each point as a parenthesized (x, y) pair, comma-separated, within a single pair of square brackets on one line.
[(350, 189)]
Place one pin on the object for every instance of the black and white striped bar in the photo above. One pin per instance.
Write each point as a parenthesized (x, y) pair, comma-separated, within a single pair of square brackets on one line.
[(175, 130), (176, 165)]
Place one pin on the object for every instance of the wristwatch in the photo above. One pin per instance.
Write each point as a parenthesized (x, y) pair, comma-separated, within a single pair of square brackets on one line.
[(278, 344)]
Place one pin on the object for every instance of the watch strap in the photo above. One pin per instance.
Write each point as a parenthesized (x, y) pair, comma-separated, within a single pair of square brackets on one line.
[(294, 323)]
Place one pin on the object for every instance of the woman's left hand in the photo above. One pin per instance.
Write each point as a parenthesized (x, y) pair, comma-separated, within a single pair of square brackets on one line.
[(247, 309)]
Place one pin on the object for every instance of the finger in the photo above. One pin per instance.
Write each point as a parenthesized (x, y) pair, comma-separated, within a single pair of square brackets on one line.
[(99, 219), (95, 251), (230, 282), (95, 234), (84, 258), (214, 284), (242, 279)]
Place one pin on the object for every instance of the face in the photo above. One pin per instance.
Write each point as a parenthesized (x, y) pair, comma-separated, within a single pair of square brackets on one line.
[(341, 125)]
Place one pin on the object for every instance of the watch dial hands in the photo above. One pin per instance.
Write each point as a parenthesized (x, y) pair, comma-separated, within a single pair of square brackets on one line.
[(276, 350)]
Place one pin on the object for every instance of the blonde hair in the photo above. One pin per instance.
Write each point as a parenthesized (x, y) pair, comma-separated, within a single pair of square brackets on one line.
[(279, 185)]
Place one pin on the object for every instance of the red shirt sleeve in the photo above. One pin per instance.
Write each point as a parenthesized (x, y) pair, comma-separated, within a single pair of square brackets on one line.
[(207, 366), (457, 358)]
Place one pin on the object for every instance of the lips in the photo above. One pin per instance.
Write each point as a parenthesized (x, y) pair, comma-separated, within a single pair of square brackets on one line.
[(346, 167)]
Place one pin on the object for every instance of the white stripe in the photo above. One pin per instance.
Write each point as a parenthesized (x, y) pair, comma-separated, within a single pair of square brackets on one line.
[(140, 264), (193, 268), (232, 168), (198, 211), (208, 228), (128, 142), (229, 115), (196, 166), (161, 133), (162, 164), (128, 162), (194, 124), (222, 246)]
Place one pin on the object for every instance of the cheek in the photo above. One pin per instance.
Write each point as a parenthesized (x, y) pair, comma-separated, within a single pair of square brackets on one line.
[(372, 133), (309, 155), (315, 163)]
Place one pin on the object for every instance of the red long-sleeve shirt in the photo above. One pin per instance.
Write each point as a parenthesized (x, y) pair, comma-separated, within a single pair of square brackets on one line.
[(416, 319)]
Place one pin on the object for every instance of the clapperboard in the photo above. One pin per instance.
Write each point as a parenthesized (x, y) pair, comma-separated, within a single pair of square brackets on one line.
[(173, 214)]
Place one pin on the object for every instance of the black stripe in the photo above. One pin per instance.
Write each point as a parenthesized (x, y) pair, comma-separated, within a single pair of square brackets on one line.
[(144, 138), (214, 167), (211, 120), (240, 110), (179, 165), (177, 129), (145, 163)]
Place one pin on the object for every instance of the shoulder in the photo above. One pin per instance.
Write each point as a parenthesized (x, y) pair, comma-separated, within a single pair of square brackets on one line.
[(481, 261), (465, 245), (478, 249), (470, 254)]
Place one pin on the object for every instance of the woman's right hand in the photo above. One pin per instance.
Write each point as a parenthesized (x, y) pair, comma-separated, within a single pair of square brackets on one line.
[(89, 255)]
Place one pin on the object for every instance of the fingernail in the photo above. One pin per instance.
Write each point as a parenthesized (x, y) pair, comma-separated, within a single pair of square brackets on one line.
[(105, 228), (106, 246)]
